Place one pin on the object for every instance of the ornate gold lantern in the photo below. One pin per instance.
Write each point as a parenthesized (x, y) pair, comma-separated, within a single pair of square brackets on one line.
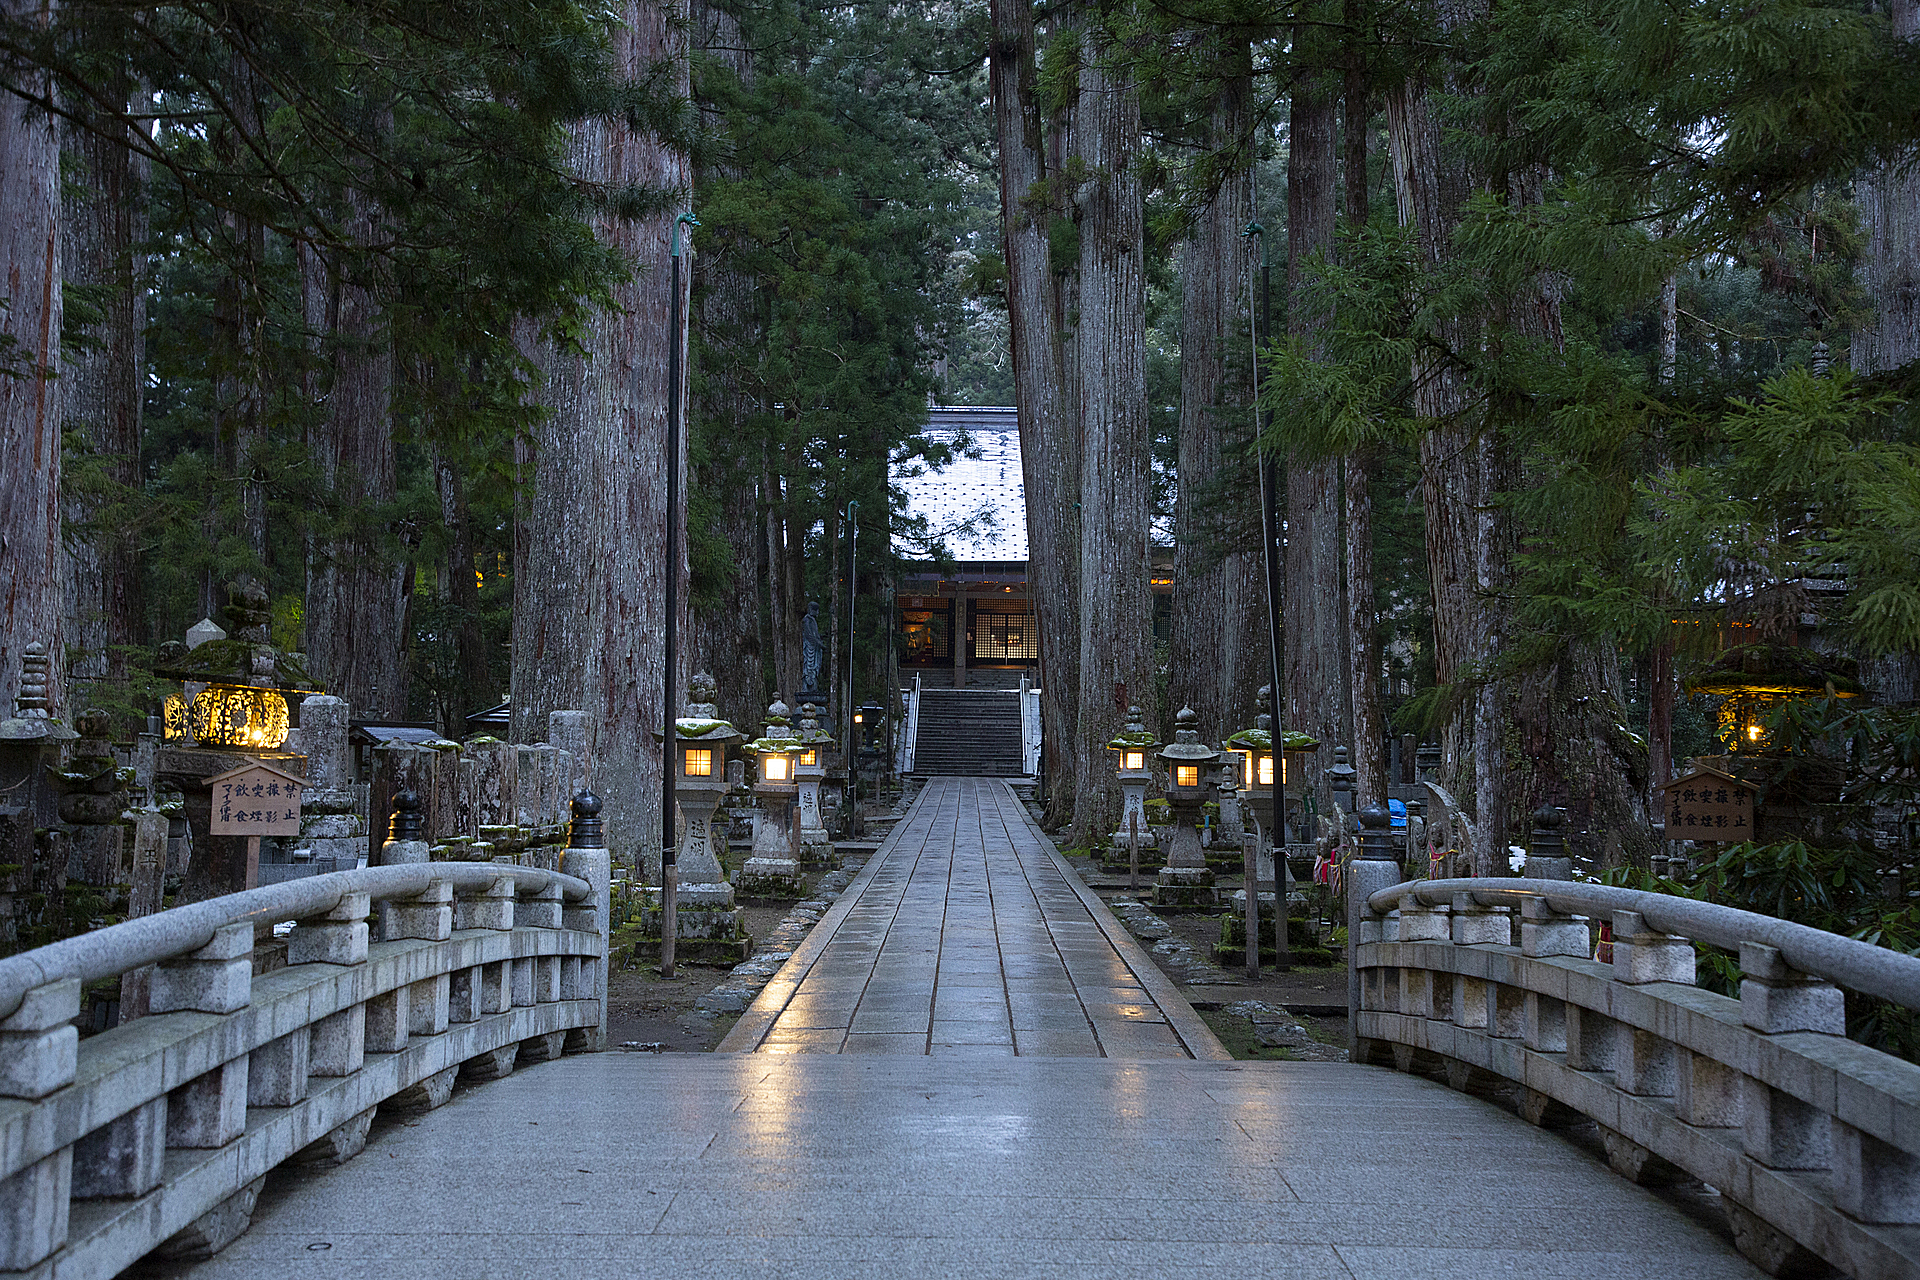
[(238, 717), (173, 717), (1753, 680)]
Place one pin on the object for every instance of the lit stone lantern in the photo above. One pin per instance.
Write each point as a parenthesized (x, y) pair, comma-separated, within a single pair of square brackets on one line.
[(810, 769), (1253, 748), (774, 868), (707, 924), (1185, 880), (1132, 751), (700, 782)]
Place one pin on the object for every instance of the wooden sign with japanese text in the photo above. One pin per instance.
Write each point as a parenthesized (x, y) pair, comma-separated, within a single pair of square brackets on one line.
[(256, 800), (1709, 807)]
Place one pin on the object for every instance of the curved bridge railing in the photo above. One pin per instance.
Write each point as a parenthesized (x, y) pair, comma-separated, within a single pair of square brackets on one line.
[(1812, 1140), (157, 1133)]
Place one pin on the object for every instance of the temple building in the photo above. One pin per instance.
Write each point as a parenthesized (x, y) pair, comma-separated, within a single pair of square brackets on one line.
[(967, 620)]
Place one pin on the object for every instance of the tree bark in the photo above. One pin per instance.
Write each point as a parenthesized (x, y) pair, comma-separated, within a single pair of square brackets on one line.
[(32, 575), (467, 691), (600, 476), (1049, 437), (1363, 642), (355, 591), (103, 226), (1890, 208), (1316, 626), (1116, 609), (727, 636), (1456, 461), (1219, 655)]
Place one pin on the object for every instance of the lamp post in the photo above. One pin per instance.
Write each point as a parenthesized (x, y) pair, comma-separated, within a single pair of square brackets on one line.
[(1130, 752), (670, 620), (1185, 879)]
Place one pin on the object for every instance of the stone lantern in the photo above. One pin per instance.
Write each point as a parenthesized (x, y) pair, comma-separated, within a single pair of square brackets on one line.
[(1132, 750), (774, 868), (707, 924), (1184, 880), (1254, 749), (700, 751), (809, 771)]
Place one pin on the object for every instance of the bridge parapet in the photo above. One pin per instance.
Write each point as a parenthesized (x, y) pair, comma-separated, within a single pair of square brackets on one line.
[(1812, 1140), (157, 1133)]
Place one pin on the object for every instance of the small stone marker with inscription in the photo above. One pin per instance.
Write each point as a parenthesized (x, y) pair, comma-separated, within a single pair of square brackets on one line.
[(1709, 807), (255, 800)]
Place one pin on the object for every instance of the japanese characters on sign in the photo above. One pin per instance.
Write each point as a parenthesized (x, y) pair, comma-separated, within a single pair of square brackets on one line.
[(1709, 807), (256, 800)]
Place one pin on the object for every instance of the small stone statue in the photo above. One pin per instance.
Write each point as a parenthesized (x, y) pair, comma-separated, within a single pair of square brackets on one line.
[(813, 654)]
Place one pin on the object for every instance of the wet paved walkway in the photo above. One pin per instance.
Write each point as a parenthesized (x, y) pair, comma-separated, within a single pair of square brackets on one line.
[(968, 934), (827, 1167), (942, 1154)]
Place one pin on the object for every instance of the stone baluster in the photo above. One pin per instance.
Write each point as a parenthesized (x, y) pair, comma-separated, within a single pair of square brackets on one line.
[(1477, 1001), (1778, 1129), (39, 1053), (542, 909), (278, 1071), (585, 977), (1646, 1063), (1545, 932), (211, 1109), (1421, 995)]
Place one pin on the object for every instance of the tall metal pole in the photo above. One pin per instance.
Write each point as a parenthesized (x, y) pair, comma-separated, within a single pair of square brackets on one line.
[(1276, 594), (853, 570), (669, 742)]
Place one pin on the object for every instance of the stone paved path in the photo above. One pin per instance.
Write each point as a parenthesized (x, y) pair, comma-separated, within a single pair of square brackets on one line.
[(967, 934), (826, 1167)]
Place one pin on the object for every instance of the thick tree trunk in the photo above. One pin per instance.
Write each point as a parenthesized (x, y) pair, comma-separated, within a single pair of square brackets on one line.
[(1456, 461), (1219, 655), (467, 691), (1363, 642), (32, 575), (1316, 625), (727, 632), (103, 226), (355, 590), (1049, 437), (1575, 753), (1890, 207), (1116, 608), (600, 478)]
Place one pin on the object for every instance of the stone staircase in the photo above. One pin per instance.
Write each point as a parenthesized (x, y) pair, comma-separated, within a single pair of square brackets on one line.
[(968, 733)]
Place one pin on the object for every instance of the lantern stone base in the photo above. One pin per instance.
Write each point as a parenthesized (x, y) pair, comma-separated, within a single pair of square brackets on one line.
[(707, 927), (816, 850), (1116, 855), (764, 877), (1305, 947), (1189, 888)]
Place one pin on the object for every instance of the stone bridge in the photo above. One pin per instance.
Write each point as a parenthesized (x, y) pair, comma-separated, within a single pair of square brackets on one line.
[(968, 1068)]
